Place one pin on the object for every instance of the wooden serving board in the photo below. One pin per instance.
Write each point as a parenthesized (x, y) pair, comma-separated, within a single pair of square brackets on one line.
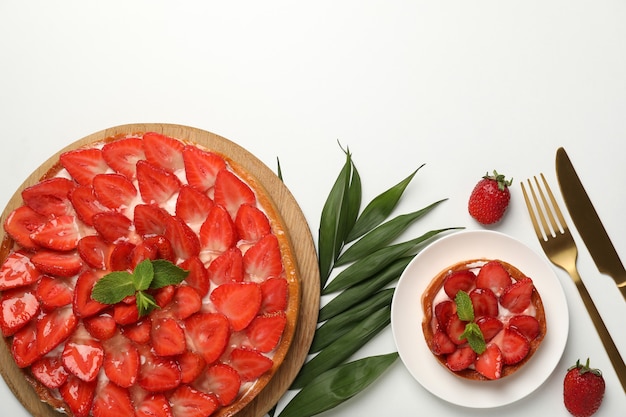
[(301, 241)]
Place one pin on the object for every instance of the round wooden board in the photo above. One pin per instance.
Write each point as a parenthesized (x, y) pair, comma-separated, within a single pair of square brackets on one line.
[(301, 241)]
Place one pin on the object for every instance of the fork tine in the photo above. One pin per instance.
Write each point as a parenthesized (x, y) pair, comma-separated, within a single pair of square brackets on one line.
[(531, 211), (555, 206)]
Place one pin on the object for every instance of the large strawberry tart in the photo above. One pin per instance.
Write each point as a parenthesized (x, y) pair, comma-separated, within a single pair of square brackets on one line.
[(483, 319), (146, 275)]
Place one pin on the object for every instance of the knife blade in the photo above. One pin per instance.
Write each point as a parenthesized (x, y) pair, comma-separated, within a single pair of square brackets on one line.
[(588, 222)]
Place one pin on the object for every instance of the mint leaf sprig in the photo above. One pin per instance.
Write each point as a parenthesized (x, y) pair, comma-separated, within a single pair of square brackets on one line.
[(147, 275), (465, 311)]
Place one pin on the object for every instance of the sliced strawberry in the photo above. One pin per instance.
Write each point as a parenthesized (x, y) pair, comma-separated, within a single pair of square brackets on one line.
[(138, 332), (84, 305), (461, 358), (156, 185), (484, 301), (50, 197), (112, 400), (187, 301), (17, 308), (164, 296), (125, 313), (231, 192), (54, 328), (514, 346), (24, 345), (455, 329), (95, 252), (49, 371), (21, 223), (493, 276), (217, 233), (459, 280), (112, 226), (207, 334), (59, 233), (157, 373), (78, 395), (489, 326), (443, 311), (83, 355), (264, 332), (191, 365), (60, 264), (84, 164), (163, 247), (198, 277), (201, 167), (489, 363), (150, 219), (114, 191), (54, 292), (163, 151), (121, 360), (168, 338), (142, 251), (121, 258), (239, 301), (17, 271), (275, 295), (441, 343), (517, 297), (184, 241), (251, 223), (86, 204), (189, 402), (122, 155), (193, 206), (221, 380), (263, 260), (153, 405), (526, 325), (227, 267), (249, 363), (102, 326)]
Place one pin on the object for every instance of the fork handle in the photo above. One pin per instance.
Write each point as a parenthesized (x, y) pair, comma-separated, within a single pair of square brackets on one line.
[(605, 337)]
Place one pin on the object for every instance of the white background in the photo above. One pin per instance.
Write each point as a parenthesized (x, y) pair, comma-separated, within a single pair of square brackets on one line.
[(464, 87)]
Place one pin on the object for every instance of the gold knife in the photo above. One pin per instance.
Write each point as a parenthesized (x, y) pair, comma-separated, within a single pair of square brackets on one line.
[(588, 223)]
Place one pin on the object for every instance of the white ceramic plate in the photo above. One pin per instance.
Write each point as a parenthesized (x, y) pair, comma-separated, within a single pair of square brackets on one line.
[(406, 319)]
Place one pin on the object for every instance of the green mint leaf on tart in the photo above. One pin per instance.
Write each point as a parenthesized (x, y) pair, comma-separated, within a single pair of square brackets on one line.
[(145, 303), (474, 337), (464, 307), (166, 273), (143, 275), (113, 287)]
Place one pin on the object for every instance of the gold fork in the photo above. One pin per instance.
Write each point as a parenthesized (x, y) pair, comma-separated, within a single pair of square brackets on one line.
[(558, 244)]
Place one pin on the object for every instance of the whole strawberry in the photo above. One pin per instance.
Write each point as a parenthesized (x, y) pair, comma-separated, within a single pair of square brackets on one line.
[(490, 198), (583, 389)]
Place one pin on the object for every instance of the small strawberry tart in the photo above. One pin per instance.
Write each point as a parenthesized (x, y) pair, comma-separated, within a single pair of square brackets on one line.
[(483, 319)]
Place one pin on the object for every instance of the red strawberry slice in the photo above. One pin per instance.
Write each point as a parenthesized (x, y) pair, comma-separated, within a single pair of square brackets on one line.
[(112, 401), (142, 251), (231, 192), (189, 402), (239, 301), (455, 329), (164, 296), (50, 197), (263, 259), (114, 191), (168, 338), (217, 233), (121, 258), (21, 223), (84, 305), (54, 292), (156, 373), (122, 155), (184, 241), (24, 345), (150, 219), (489, 326), (514, 346), (264, 332), (227, 267), (102, 326), (17, 308), (163, 247), (95, 252), (154, 405), (17, 271), (78, 395), (198, 277), (249, 363), (221, 380), (526, 325), (60, 264), (54, 328), (517, 297), (251, 223), (86, 204), (461, 358), (489, 363), (84, 164), (463, 280), (126, 313), (83, 355), (187, 301), (207, 334), (49, 371), (191, 366), (441, 343), (201, 167), (193, 206), (163, 151), (138, 332), (156, 185), (121, 360), (275, 293), (59, 233), (443, 311), (112, 226), (484, 301), (493, 276)]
